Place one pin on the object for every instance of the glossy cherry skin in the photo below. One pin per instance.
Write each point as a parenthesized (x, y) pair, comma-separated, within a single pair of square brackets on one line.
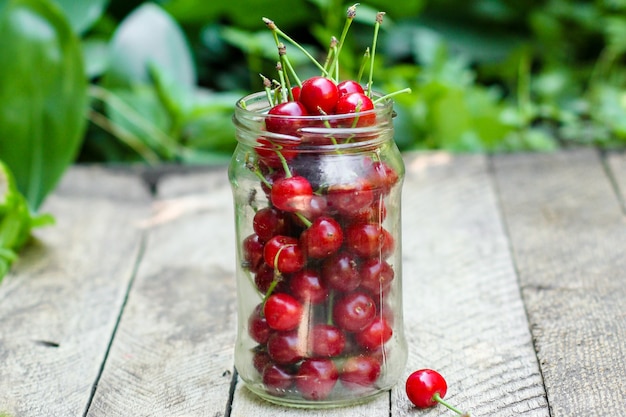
[(349, 86), (340, 272), (354, 311), (349, 198), (282, 312), (376, 275), (269, 222), (252, 252), (306, 285), (268, 152), (422, 385), (319, 95), (359, 372), (277, 379), (323, 238), (316, 378), (286, 347), (374, 335), (257, 326), (285, 125), (356, 103), (283, 253), (365, 239), (291, 193), (326, 340)]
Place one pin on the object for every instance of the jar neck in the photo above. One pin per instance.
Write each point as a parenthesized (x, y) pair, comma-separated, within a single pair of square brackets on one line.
[(318, 133)]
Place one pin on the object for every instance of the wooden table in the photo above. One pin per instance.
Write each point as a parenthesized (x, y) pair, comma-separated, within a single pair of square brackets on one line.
[(514, 280)]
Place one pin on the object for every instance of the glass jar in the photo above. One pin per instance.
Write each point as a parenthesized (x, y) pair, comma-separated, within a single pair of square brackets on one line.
[(317, 218)]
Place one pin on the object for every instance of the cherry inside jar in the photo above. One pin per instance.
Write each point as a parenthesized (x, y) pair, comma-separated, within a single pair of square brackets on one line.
[(319, 274)]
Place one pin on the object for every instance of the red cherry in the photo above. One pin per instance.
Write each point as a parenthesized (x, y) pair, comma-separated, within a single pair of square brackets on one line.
[(306, 285), (376, 275), (422, 385), (365, 239), (268, 152), (319, 95), (375, 334), (277, 379), (286, 347), (359, 372), (260, 359), (323, 238), (327, 340), (295, 91), (356, 103), (349, 86), (316, 378), (252, 252), (341, 272), (286, 125), (269, 222), (282, 312), (291, 193), (354, 311), (383, 177), (350, 198), (283, 253), (257, 326)]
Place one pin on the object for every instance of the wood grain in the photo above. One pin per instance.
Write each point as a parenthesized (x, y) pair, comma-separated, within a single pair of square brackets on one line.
[(568, 235), (172, 355), (60, 305), (463, 310)]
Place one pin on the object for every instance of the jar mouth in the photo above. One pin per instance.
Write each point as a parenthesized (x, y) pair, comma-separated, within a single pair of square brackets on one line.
[(345, 130)]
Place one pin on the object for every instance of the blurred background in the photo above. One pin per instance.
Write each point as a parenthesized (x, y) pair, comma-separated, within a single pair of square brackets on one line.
[(486, 75)]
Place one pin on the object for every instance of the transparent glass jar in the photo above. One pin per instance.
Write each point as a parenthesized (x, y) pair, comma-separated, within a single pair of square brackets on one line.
[(317, 218)]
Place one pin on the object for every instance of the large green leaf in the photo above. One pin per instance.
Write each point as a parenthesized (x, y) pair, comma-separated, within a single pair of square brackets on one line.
[(42, 95), (149, 36)]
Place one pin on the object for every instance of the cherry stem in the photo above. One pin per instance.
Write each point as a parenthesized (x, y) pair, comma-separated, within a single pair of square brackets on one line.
[(304, 220), (440, 400), (379, 20), (276, 30), (284, 83), (277, 278), (350, 17), (388, 96), (364, 61), (331, 50)]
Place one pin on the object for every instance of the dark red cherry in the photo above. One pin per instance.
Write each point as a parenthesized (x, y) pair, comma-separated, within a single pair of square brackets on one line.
[(326, 340), (252, 252), (270, 153), (354, 311), (350, 198), (257, 326), (282, 312), (286, 347), (359, 372), (323, 238), (316, 378), (319, 95), (376, 275), (365, 239), (269, 222), (375, 334), (340, 271), (277, 379), (306, 285), (283, 253)]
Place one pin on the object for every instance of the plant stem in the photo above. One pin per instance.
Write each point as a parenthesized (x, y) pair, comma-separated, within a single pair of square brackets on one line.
[(351, 14), (440, 400), (387, 96), (364, 61), (379, 21)]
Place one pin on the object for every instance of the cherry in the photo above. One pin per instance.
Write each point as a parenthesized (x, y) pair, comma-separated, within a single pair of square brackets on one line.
[(283, 253), (356, 103), (265, 277), (260, 359), (291, 193), (365, 239), (306, 285), (286, 347), (282, 311), (359, 372), (349, 86), (316, 378), (252, 252), (269, 151), (315, 207), (351, 197), (277, 379), (286, 125), (319, 95), (383, 177), (375, 334), (257, 326), (295, 91), (376, 275), (269, 222), (327, 340), (341, 272), (354, 311), (322, 238), (426, 387)]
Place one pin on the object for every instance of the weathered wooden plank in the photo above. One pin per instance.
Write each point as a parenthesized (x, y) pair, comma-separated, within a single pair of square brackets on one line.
[(463, 310), (172, 355), (60, 305), (568, 236)]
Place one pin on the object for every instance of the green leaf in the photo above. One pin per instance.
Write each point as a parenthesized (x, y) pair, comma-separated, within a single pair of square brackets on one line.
[(82, 14), (42, 96), (149, 36)]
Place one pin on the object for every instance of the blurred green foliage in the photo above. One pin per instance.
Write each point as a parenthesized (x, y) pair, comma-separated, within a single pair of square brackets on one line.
[(486, 75)]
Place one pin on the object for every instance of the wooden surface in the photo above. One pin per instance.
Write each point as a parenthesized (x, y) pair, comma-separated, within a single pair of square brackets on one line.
[(514, 288)]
